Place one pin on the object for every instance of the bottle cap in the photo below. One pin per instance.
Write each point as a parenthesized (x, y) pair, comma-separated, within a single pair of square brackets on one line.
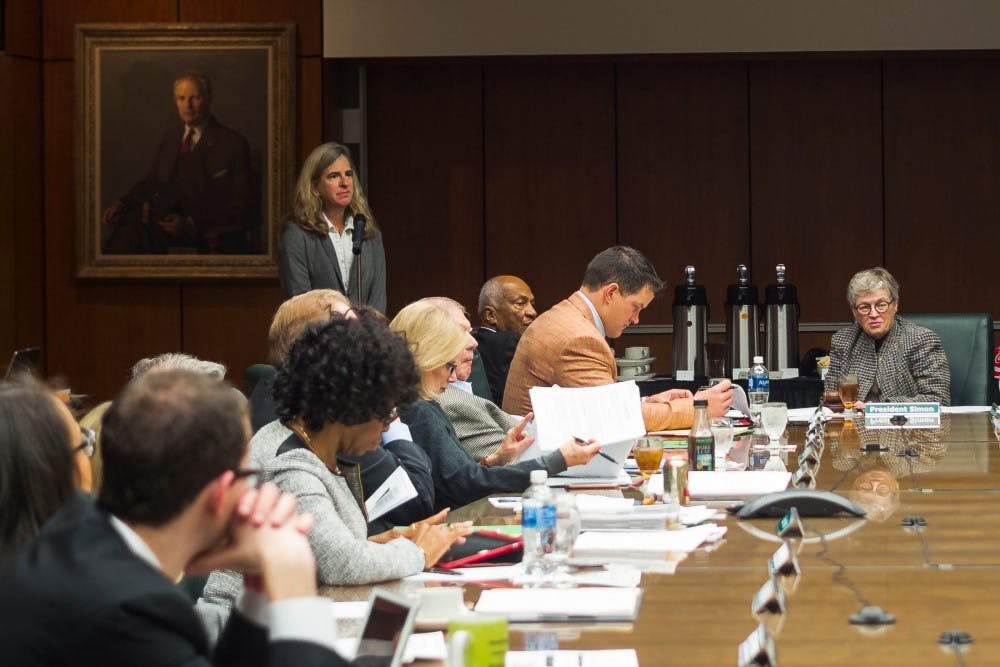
[(539, 476), (700, 403), (758, 359)]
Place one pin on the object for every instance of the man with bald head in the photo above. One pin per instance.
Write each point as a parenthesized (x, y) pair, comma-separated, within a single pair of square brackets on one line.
[(506, 308)]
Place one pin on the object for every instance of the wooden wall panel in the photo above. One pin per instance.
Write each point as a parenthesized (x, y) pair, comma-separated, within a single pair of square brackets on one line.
[(942, 154), (23, 27), (683, 174), (550, 177), (229, 323), (425, 157), (306, 14), (309, 128), (815, 177), (94, 332), (22, 281), (60, 17)]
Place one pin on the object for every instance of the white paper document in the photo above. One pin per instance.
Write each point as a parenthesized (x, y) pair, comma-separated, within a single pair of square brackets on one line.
[(619, 658), (571, 605), (419, 646), (735, 484), (648, 543), (395, 490), (610, 414)]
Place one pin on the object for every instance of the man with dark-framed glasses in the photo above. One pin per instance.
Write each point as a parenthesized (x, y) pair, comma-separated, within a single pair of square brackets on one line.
[(894, 359)]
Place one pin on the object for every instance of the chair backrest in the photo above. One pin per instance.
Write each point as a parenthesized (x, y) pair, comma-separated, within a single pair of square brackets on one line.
[(967, 339), (253, 374)]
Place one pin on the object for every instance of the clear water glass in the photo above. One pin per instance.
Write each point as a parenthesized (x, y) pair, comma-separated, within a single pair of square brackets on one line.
[(774, 418)]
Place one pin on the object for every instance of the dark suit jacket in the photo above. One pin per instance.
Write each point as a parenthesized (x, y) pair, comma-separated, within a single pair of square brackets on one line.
[(496, 348), (77, 595), (214, 185), (307, 261)]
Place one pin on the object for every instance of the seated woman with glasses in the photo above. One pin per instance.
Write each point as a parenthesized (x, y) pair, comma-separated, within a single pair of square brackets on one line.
[(894, 360), (436, 343), (44, 458), (336, 392)]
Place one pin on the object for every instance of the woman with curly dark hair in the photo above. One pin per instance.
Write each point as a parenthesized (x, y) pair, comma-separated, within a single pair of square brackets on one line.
[(43, 460), (335, 393), (436, 342)]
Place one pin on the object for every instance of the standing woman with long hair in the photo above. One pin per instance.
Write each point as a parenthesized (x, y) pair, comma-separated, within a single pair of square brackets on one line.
[(317, 245)]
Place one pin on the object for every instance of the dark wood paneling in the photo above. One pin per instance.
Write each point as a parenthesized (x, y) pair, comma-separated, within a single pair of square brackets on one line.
[(23, 28), (60, 17), (94, 332), (425, 174), (228, 323), (21, 277), (550, 176), (815, 177), (682, 174), (306, 14), (309, 132), (942, 154)]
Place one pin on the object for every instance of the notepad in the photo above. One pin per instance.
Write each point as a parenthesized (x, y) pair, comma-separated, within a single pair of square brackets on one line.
[(570, 605), (394, 491)]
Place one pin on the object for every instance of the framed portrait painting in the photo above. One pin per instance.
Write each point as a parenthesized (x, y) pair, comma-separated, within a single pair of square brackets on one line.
[(185, 148)]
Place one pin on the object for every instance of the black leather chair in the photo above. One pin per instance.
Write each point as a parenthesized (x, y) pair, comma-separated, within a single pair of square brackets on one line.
[(967, 339)]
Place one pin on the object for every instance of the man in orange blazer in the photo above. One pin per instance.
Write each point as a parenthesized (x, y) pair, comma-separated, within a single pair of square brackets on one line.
[(567, 344)]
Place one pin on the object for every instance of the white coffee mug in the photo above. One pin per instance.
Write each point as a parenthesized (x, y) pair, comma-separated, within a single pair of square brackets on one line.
[(636, 352)]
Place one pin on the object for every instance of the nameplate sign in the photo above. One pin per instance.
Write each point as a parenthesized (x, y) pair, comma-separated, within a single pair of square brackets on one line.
[(902, 415), (757, 650)]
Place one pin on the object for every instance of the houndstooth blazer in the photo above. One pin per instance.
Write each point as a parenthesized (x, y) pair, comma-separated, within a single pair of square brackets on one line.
[(480, 424), (910, 366)]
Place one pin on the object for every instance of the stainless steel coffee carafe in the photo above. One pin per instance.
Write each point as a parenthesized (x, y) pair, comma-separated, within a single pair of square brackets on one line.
[(690, 325), (742, 323), (781, 324)]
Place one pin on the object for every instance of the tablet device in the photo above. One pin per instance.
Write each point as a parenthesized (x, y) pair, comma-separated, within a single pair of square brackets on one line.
[(386, 630), (483, 546), (23, 361)]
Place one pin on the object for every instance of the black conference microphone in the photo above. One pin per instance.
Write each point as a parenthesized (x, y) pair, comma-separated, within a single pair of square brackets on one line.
[(359, 232)]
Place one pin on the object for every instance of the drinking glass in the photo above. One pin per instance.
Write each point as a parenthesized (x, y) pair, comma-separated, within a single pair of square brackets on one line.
[(648, 453), (848, 388), (774, 417), (722, 433)]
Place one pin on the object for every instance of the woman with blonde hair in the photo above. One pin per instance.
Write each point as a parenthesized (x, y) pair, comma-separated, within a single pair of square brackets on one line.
[(435, 342), (317, 246)]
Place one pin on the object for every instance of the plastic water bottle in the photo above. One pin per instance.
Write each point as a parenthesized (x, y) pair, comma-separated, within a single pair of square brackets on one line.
[(538, 526), (567, 530), (758, 386)]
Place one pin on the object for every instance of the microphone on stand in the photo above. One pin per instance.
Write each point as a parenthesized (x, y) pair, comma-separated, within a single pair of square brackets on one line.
[(358, 237), (359, 232)]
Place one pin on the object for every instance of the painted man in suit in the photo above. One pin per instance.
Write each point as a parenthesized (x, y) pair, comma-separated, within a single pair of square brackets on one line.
[(567, 344), (506, 308), (199, 191), (97, 585)]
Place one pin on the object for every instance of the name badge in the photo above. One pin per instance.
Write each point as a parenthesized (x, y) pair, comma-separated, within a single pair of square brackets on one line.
[(902, 415)]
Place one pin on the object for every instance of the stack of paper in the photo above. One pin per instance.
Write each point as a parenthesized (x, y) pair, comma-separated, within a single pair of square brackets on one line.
[(570, 605), (735, 484), (647, 543)]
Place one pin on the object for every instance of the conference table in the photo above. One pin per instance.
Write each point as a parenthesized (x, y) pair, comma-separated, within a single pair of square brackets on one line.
[(938, 578)]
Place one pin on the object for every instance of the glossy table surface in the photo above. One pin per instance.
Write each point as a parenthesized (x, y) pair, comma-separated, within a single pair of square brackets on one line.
[(944, 577)]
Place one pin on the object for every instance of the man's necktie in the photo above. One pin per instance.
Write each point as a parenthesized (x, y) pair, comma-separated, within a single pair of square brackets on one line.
[(186, 144)]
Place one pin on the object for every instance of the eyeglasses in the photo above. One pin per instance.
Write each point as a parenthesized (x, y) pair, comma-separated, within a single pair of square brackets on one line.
[(880, 307), (252, 475), (88, 444)]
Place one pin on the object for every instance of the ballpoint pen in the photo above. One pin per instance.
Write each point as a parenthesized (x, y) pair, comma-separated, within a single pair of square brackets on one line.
[(599, 453)]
